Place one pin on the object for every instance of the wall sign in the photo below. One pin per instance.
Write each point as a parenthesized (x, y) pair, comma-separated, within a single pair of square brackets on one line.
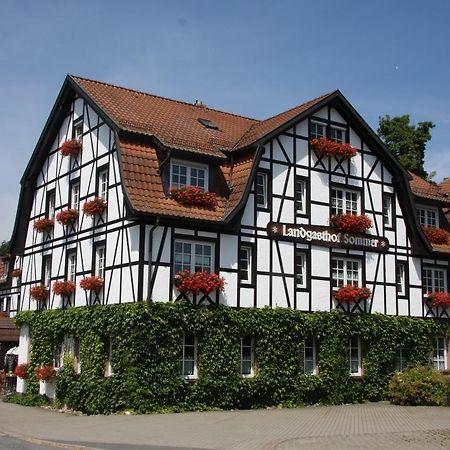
[(326, 237)]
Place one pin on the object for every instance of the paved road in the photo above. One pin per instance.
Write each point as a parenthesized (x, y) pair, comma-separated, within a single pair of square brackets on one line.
[(369, 426)]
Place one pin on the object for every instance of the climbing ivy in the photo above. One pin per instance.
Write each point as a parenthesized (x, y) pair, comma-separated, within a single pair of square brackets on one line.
[(146, 344)]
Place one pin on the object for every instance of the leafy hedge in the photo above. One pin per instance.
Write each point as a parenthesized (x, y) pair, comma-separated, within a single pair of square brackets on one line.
[(146, 344)]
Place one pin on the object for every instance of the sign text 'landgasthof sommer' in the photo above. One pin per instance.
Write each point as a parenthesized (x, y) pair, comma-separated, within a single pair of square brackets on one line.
[(326, 237)]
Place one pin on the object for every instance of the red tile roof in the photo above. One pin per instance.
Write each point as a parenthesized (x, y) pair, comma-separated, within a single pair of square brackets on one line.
[(445, 185), (426, 190)]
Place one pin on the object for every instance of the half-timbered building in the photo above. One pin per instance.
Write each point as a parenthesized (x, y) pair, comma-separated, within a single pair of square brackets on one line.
[(269, 233)]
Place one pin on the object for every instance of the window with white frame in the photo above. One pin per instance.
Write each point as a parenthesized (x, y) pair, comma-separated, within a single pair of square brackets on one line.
[(310, 366), (261, 189), (428, 216), (100, 260), (401, 278), (387, 211), (247, 356), (50, 207), (355, 355), (70, 346), (245, 263), (337, 134), (345, 272), (193, 256), (72, 265), (187, 364), (108, 359), (345, 201), (401, 359), (47, 270), (300, 269), (434, 280), (58, 355), (74, 195), (317, 130), (102, 184), (300, 195), (184, 174), (439, 357), (77, 132)]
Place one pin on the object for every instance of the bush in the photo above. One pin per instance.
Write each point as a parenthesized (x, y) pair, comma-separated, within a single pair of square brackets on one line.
[(419, 385), (27, 399)]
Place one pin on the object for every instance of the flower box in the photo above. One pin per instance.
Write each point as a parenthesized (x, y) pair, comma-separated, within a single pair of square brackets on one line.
[(436, 235), (44, 225), (64, 288), (70, 148), (21, 370), (95, 207), (39, 292), (194, 196), (45, 373), (351, 223), (93, 284), (205, 282), (16, 273), (327, 147), (67, 216), (351, 294), (439, 299)]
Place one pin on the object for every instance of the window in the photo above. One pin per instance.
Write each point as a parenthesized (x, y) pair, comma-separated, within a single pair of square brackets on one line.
[(100, 257), (183, 174), (300, 269), (208, 124), (354, 355), (187, 364), (193, 256), (245, 264), (344, 201), (5, 304), (345, 272), (439, 356), (247, 356), (50, 205), (77, 132), (300, 196), (310, 366), (434, 280), (261, 189), (401, 278), (401, 359), (58, 356), (47, 270), (337, 134), (71, 266), (108, 359), (317, 130), (74, 195), (69, 347), (5, 273), (387, 211), (428, 216), (102, 184)]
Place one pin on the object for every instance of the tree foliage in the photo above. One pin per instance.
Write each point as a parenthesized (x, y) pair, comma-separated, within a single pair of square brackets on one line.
[(406, 141), (4, 248)]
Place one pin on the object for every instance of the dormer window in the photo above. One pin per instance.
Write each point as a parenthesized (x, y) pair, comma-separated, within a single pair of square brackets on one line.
[(184, 174), (208, 124), (428, 216), (337, 134)]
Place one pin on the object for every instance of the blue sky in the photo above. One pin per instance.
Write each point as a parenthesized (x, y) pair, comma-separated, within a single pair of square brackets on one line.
[(255, 58)]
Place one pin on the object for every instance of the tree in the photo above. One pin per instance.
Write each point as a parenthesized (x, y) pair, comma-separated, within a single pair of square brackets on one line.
[(406, 141), (4, 248)]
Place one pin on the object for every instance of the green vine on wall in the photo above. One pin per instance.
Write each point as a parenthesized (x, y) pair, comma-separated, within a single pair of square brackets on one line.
[(146, 344)]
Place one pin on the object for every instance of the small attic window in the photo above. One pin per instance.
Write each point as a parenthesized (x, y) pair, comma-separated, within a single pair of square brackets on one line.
[(208, 124)]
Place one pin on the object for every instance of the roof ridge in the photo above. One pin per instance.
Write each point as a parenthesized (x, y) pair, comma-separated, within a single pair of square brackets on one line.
[(76, 77)]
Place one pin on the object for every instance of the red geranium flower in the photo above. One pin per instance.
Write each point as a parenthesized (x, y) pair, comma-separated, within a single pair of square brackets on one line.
[(39, 292), (205, 282), (436, 235), (194, 196), (70, 148), (16, 273), (64, 288), (21, 370), (328, 147), (351, 294), (94, 284), (67, 216), (45, 373), (351, 223), (44, 225), (439, 299), (95, 206)]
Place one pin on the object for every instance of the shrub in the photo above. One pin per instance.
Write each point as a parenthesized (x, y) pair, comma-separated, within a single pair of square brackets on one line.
[(27, 399), (419, 385)]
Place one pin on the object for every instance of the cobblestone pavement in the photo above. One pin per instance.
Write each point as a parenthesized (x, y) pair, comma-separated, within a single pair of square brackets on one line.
[(368, 426)]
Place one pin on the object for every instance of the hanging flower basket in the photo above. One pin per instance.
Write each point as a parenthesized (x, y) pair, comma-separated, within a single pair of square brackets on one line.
[(64, 288), (205, 282), (44, 225), (93, 284), (351, 223), (95, 207), (436, 235), (67, 216), (70, 148), (327, 147), (194, 196), (45, 373), (39, 292), (351, 294), (21, 371), (16, 273), (439, 299)]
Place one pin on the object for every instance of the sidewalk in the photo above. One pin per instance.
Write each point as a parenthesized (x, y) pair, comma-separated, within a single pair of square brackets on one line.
[(368, 426)]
